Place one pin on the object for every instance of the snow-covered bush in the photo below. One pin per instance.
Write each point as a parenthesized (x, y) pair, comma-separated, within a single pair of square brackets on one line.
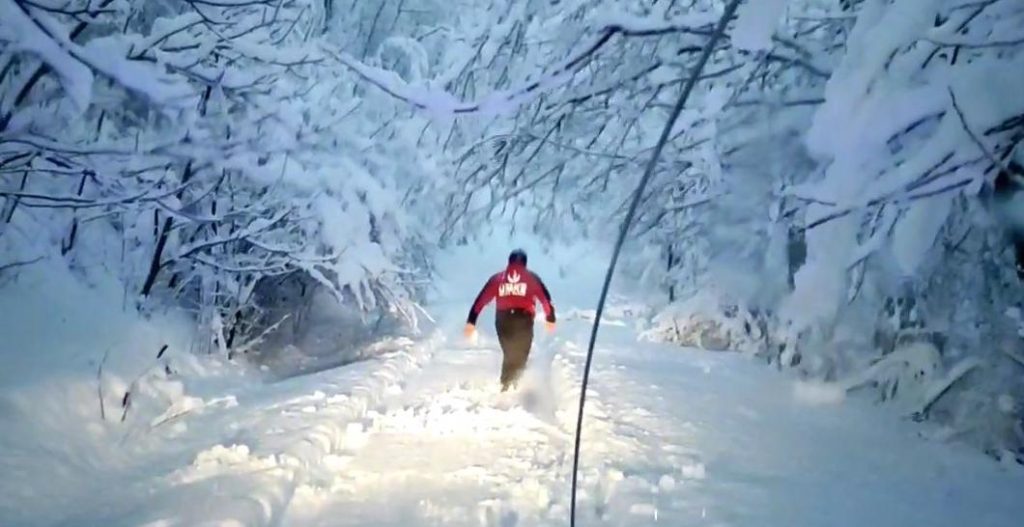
[(918, 118), (710, 322)]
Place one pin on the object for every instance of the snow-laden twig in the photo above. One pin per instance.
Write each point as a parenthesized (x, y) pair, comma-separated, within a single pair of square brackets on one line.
[(77, 202), (970, 133), (19, 263), (878, 201), (248, 345), (99, 385), (506, 101), (1014, 356), (255, 227), (955, 374), (962, 43)]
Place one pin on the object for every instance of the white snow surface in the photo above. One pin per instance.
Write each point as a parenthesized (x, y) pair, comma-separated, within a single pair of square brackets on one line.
[(419, 435)]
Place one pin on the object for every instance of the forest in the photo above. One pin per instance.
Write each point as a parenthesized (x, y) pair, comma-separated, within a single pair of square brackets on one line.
[(840, 198)]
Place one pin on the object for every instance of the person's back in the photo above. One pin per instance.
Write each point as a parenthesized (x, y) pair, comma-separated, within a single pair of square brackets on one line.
[(516, 291)]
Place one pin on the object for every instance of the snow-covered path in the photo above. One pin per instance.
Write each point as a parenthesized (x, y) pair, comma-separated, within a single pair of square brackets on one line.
[(447, 450), (418, 434), (674, 437)]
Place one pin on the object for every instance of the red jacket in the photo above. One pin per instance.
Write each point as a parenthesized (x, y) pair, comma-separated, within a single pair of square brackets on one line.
[(515, 288)]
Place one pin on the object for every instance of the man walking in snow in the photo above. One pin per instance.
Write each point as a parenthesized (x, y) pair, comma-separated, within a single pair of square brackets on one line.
[(517, 290)]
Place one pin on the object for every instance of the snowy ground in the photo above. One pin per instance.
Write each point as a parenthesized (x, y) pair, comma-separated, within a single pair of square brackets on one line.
[(418, 435)]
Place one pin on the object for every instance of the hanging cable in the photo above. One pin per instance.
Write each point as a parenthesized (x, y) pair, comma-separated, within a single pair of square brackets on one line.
[(730, 9)]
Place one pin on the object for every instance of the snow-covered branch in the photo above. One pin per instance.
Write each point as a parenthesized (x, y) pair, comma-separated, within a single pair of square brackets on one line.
[(209, 138)]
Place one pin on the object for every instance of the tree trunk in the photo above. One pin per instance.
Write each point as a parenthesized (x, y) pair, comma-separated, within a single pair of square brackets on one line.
[(156, 263)]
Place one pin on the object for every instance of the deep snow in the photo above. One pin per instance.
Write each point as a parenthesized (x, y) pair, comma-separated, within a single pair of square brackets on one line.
[(417, 434)]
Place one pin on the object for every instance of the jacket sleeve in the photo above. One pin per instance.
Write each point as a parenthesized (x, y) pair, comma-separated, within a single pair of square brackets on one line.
[(545, 298), (489, 291)]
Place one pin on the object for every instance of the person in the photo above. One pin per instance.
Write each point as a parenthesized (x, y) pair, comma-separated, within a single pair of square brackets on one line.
[(517, 289)]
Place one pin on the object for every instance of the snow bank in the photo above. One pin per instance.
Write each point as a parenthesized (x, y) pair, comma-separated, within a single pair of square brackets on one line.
[(88, 385), (818, 393), (187, 435), (707, 321), (59, 324)]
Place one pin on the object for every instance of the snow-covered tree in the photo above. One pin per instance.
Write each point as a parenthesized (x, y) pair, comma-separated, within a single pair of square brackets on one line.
[(201, 149)]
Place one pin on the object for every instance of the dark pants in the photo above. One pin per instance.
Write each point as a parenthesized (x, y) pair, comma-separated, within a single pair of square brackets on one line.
[(515, 334)]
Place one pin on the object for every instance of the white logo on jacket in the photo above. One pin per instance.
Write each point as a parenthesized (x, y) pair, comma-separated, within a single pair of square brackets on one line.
[(513, 286)]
